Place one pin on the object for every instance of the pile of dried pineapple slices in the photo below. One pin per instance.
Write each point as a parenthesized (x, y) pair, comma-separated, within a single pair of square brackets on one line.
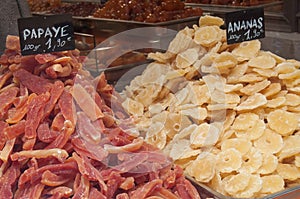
[(228, 114)]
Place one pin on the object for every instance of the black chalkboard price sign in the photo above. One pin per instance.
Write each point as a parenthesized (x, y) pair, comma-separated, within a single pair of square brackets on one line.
[(45, 34), (245, 25)]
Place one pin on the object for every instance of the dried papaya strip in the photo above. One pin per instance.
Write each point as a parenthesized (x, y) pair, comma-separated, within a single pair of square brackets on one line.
[(20, 110), (35, 114), (13, 131), (86, 102)]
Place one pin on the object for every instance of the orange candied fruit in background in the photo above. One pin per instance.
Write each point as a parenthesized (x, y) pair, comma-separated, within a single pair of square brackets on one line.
[(154, 11), (231, 2), (43, 5)]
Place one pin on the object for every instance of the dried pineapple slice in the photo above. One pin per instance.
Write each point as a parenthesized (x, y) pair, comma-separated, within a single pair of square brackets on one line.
[(187, 58), (196, 113), (269, 142), (199, 94), (269, 164), (244, 121), (251, 78), (236, 73), (251, 89), (290, 147), (253, 132), (249, 126), (292, 99), (229, 160), (203, 168), (276, 57), (247, 49), (155, 128), (266, 72), (276, 102), (263, 62), (232, 88), (272, 183), (204, 135), (181, 42), (159, 139), (282, 122), (289, 76), (252, 102), (251, 161), (285, 68), (288, 171), (179, 148), (148, 94), (234, 184), (133, 107), (185, 132), (155, 74), (272, 89), (253, 187), (216, 184), (209, 20), (241, 144), (208, 36), (225, 60), (161, 57)]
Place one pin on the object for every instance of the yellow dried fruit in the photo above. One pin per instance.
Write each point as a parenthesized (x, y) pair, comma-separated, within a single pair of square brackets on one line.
[(244, 121), (208, 36), (133, 107), (187, 58), (252, 160), (253, 187), (276, 102), (292, 99), (209, 20), (263, 62), (161, 57), (288, 171), (270, 142), (269, 164), (179, 148), (158, 139), (251, 89), (290, 147), (236, 73), (181, 42), (203, 168), (272, 183), (247, 49), (250, 78), (199, 94), (234, 184), (243, 145), (229, 160), (282, 122), (266, 72), (204, 135), (196, 113), (225, 60), (272, 89), (285, 67)]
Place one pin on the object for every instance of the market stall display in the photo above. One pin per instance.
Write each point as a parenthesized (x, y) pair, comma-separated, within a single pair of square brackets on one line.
[(231, 2), (60, 139), (227, 114), (43, 5), (146, 11)]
